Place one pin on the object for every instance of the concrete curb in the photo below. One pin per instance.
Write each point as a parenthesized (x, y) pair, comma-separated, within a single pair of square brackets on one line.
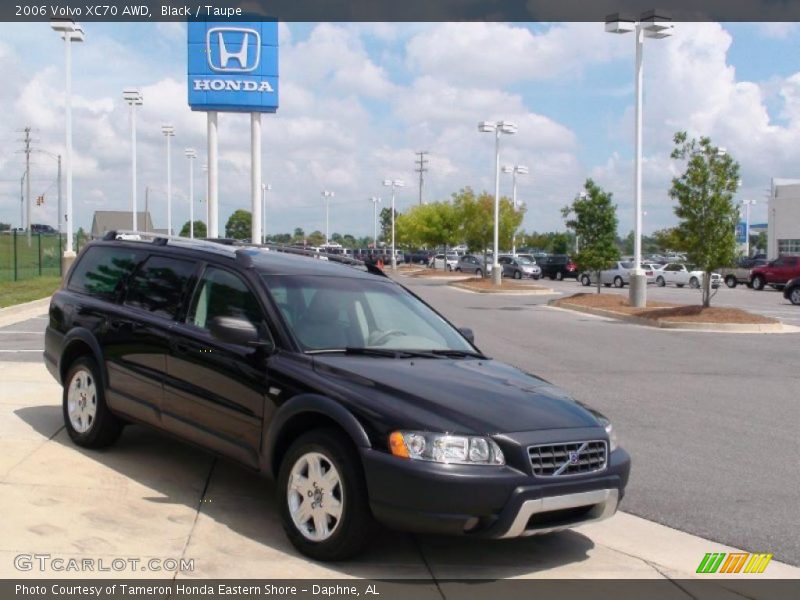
[(678, 325), (24, 311), (541, 292)]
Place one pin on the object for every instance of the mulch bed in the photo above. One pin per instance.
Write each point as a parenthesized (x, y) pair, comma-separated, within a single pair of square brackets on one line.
[(665, 311)]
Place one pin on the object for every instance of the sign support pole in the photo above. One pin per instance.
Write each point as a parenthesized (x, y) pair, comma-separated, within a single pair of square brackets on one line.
[(213, 170), (255, 176)]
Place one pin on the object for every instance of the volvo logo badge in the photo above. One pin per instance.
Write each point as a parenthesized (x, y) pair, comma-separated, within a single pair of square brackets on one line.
[(574, 457)]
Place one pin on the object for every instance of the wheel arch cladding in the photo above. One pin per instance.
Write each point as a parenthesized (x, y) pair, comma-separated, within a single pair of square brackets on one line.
[(304, 413), (81, 342)]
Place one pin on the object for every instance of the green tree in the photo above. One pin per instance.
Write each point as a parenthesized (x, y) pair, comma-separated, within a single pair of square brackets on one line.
[(560, 243), (316, 238), (239, 225), (706, 211), (299, 236), (593, 218), (5, 226), (759, 242), (435, 224), (666, 240), (200, 230), (476, 216), (385, 221)]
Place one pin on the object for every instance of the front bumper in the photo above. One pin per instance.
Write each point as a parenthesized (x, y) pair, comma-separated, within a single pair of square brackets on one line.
[(490, 502)]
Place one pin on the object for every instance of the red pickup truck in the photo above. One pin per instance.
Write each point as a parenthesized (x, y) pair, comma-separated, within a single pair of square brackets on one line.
[(776, 273)]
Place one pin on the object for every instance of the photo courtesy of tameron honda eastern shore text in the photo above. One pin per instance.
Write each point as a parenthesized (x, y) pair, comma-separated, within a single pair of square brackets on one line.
[(361, 402)]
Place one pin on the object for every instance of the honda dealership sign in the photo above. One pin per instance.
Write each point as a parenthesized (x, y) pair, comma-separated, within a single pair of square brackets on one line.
[(233, 67)]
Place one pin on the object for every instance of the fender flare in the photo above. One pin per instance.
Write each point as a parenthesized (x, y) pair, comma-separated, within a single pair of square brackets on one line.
[(308, 403), (82, 335)]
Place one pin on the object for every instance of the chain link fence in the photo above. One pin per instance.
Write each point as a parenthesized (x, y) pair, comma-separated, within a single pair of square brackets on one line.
[(24, 258)]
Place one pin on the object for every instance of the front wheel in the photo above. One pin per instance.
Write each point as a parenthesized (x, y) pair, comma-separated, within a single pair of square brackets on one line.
[(478, 273), (794, 296), (517, 275), (758, 282), (87, 418), (322, 496), (660, 282), (585, 281), (618, 282), (559, 275), (731, 281), (448, 268)]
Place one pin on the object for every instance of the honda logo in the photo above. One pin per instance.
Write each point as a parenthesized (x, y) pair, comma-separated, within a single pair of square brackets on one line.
[(233, 49)]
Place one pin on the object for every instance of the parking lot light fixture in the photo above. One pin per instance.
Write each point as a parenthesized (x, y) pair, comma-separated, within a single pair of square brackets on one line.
[(70, 32), (655, 25), (265, 187), (327, 195), (394, 184), (375, 200), (514, 171), (169, 132), (497, 127), (191, 154), (134, 98)]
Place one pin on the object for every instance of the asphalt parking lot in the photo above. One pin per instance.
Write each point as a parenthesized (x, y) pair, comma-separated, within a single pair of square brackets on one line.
[(705, 416)]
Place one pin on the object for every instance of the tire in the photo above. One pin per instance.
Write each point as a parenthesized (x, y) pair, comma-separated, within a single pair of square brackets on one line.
[(458, 269), (87, 418), (758, 283), (607, 284), (478, 273), (517, 275), (794, 296), (448, 268), (660, 282), (731, 281), (559, 275), (680, 285), (694, 283), (351, 531), (536, 277), (618, 282), (585, 281)]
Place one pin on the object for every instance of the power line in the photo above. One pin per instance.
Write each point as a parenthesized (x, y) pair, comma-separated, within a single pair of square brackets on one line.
[(421, 169)]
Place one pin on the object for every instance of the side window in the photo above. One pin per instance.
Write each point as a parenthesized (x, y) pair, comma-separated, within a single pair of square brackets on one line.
[(159, 284), (102, 270), (221, 293)]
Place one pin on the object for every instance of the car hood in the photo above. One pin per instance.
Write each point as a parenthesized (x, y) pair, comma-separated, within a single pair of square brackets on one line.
[(454, 395)]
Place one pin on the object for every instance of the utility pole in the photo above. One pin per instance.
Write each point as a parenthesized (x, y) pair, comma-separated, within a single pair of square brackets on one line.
[(421, 169), (27, 151), (60, 215), (146, 205)]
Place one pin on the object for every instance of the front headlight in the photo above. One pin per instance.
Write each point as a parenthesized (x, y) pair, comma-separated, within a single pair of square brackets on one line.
[(612, 435), (445, 448)]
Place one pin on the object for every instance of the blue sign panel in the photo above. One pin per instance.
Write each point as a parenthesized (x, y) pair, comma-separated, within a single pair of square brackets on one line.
[(233, 66), (741, 232)]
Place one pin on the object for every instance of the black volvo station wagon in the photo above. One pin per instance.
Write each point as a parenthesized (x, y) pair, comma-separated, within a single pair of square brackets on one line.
[(361, 401)]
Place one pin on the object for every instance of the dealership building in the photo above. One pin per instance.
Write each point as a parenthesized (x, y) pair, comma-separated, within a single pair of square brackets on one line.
[(783, 218)]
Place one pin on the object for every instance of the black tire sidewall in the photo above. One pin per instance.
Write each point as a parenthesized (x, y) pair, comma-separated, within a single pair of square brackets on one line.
[(353, 529)]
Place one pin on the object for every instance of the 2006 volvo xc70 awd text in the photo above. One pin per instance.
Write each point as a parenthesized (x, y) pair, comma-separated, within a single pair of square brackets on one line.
[(361, 401)]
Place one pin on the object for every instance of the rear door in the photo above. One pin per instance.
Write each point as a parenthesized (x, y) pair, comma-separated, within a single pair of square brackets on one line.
[(215, 392)]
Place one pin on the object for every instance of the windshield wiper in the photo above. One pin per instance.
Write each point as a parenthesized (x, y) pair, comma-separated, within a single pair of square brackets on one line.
[(385, 352), (458, 353)]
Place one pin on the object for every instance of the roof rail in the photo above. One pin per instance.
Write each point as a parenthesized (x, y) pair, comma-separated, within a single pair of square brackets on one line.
[(162, 239)]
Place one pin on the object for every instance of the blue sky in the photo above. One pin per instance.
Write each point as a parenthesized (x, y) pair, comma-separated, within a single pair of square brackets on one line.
[(358, 99)]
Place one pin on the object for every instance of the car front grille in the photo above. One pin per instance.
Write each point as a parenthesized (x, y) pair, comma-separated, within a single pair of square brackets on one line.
[(571, 458)]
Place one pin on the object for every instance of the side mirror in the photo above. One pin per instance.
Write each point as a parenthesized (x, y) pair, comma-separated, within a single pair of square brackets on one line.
[(233, 330), (467, 333)]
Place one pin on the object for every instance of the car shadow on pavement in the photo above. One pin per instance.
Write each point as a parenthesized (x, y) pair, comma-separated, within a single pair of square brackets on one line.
[(231, 498)]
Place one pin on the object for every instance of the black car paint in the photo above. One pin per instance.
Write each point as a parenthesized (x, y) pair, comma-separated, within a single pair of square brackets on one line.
[(238, 401)]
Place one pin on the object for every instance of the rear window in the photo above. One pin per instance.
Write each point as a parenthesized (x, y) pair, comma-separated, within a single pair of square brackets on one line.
[(158, 286), (101, 270)]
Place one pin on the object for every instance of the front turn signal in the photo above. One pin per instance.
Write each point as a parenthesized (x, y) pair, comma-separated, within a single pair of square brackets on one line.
[(397, 445)]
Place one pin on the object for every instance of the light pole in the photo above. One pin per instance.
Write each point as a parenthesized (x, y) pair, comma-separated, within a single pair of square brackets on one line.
[(327, 195), (169, 132), (191, 154), (265, 187), (70, 32), (134, 98), (656, 26), (747, 204), (394, 184), (375, 200), (515, 170), (208, 201), (497, 127)]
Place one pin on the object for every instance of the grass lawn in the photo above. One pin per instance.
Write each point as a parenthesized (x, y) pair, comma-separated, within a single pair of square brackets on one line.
[(16, 292)]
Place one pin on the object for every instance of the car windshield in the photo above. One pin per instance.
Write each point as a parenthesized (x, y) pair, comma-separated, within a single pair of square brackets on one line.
[(523, 260), (345, 313)]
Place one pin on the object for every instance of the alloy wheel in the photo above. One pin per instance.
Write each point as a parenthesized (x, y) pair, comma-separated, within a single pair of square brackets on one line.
[(82, 401), (315, 496)]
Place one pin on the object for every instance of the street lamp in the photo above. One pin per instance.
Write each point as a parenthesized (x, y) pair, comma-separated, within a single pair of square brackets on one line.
[(70, 32), (747, 204), (327, 195), (375, 200), (394, 184), (134, 98), (265, 187), (191, 154), (515, 170), (169, 132), (497, 127), (654, 25)]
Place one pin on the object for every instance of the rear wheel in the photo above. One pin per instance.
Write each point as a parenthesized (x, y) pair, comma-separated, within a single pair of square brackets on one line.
[(731, 281), (517, 275), (694, 283), (323, 496), (618, 282), (448, 268), (559, 275), (586, 281), (794, 296), (758, 282), (660, 282), (87, 418), (478, 273)]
